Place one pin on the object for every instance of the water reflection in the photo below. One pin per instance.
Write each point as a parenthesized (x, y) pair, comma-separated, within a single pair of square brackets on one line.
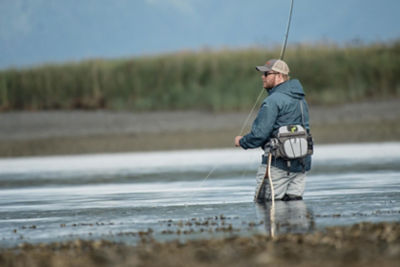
[(286, 217)]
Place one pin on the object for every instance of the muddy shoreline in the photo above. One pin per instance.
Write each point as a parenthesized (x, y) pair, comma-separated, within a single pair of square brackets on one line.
[(363, 244), (78, 132)]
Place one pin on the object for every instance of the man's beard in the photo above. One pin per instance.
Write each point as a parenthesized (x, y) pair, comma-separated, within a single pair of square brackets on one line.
[(268, 88)]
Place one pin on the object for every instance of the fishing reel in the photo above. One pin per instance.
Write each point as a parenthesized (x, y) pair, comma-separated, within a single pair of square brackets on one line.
[(272, 146)]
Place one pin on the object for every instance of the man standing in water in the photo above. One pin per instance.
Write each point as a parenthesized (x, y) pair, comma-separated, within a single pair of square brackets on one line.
[(284, 106)]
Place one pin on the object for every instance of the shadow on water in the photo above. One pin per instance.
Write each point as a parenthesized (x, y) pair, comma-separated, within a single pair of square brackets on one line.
[(285, 217)]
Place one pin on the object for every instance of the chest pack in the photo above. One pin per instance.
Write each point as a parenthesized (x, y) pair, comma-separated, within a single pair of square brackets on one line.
[(292, 141)]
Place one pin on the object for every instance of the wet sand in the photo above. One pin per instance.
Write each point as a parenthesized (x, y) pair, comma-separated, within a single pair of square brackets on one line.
[(77, 132), (364, 244)]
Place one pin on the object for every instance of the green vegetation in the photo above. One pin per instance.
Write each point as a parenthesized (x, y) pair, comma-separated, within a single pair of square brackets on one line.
[(208, 80)]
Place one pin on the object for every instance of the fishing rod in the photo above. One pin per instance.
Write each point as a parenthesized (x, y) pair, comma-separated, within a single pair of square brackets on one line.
[(287, 31), (252, 110), (282, 55), (268, 171)]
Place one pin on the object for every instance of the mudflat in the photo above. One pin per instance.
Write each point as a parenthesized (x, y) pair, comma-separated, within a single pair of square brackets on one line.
[(74, 132), (363, 244)]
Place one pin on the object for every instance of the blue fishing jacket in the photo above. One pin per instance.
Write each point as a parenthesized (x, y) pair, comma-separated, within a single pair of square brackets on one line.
[(280, 108)]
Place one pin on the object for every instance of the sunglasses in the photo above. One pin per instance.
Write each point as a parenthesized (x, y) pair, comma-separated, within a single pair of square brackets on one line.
[(269, 73)]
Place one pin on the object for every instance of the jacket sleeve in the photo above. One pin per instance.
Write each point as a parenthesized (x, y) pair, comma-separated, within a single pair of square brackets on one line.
[(262, 126)]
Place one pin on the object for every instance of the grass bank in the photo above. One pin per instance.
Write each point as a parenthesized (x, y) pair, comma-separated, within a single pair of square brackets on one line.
[(207, 80)]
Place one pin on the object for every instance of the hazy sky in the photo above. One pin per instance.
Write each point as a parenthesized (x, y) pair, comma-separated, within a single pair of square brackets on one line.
[(40, 31)]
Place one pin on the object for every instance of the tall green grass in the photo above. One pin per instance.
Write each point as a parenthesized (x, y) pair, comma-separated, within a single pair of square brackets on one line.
[(209, 80)]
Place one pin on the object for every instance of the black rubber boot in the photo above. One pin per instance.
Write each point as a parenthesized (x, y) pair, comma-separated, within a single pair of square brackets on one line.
[(289, 197)]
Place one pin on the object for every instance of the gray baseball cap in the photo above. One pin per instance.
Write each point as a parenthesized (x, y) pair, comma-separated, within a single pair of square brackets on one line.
[(275, 65)]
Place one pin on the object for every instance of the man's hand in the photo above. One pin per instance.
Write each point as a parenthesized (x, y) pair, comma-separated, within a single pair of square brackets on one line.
[(237, 139)]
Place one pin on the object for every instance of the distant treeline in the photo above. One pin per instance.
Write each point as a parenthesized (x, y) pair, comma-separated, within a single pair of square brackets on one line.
[(207, 80)]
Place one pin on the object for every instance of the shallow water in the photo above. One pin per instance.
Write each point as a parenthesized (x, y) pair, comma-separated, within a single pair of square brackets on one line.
[(189, 194)]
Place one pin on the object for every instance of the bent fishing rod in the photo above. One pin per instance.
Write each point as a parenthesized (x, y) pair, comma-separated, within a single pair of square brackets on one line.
[(283, 50), (287, 31), (252, 110), (268, 170)]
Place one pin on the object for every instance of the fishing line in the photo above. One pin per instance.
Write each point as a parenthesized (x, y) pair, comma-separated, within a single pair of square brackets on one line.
[(208, 175), (251, 112), (241, 132)]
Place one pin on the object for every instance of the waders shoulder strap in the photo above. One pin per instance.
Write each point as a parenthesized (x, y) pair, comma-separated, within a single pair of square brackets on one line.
[(302, 113)]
